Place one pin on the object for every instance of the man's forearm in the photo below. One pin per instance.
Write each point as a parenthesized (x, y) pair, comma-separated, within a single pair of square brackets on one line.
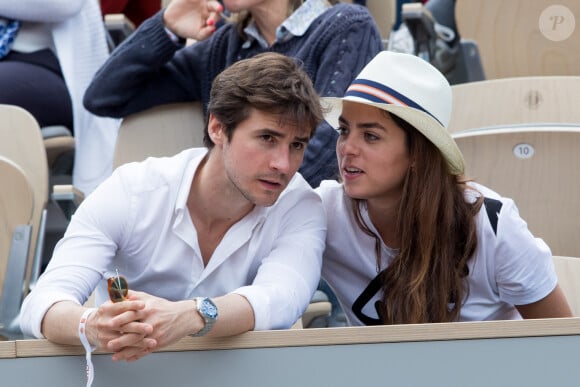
[(235, 316), (60, 323)]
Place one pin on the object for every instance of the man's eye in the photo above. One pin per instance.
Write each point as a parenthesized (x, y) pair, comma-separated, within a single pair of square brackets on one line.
[(342, 131), (298, 145)]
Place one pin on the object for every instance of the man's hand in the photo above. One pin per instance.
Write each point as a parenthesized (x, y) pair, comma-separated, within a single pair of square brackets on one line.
[(165, 322), (116, 327), (192, 19)]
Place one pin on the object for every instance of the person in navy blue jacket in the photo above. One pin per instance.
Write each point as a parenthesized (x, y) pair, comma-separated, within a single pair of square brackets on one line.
[(153, 66)]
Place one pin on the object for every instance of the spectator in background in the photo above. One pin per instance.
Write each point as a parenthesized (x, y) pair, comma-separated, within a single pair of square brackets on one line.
[(333, 42), (57, 47), (135, 10)]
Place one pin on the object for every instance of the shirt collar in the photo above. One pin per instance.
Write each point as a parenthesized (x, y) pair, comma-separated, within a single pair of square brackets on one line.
[(295, 25), (185, 185)]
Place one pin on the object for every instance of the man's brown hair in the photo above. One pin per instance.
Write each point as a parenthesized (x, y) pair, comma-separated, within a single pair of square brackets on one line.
[(269, 82)]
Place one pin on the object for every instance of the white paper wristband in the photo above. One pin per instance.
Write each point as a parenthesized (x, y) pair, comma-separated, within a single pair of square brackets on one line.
[(88, 347)]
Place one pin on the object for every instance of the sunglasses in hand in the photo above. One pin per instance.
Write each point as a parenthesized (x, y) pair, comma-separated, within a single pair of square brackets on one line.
[(117, 287)]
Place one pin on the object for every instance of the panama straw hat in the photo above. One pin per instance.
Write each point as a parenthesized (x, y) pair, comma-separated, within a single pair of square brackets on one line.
[(410, 88)]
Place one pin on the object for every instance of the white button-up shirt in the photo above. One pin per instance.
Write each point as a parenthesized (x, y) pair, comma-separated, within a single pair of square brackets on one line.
[(137, 222)]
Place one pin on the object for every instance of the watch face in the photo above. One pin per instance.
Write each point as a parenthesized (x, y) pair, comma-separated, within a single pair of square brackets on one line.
[(208, 308)]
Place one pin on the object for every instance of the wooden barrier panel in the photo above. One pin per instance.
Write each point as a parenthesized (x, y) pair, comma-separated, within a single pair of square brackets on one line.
[(496, 353), (7, 349)]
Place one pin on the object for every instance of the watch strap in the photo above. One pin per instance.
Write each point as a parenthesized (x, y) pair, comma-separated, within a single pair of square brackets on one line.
[(209, 322)]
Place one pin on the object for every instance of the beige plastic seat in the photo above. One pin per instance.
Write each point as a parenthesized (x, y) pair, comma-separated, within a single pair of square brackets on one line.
[(16, 215), (537, 166), (160, 131), (384, 13), (520, 136), (522, 37), (514, 101), (568, 270), (21, 142), (58, 141)]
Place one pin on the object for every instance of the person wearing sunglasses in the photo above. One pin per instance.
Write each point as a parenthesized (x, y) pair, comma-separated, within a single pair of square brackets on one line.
[(410, 239), (217, 240)]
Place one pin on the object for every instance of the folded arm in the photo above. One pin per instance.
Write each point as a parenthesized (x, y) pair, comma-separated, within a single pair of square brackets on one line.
[(132, 329), (146, 70)]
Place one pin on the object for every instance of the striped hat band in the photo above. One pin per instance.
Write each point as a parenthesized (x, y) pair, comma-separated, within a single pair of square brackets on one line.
[(379, 93)]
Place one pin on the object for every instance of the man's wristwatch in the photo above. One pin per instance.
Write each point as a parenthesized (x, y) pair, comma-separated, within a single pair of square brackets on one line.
[(208, 311)]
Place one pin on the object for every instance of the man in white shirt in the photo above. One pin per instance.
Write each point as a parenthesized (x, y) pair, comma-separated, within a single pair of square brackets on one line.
[(219, 241)]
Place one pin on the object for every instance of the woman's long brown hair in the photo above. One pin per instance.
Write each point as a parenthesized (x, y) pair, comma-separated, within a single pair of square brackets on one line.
[(426, 281)]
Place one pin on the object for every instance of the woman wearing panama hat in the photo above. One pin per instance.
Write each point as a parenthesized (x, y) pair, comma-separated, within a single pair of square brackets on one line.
[(410, 239)]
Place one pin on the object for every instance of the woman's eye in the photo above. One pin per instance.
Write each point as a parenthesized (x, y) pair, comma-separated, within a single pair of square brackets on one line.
[(342, 131), (371, 137)]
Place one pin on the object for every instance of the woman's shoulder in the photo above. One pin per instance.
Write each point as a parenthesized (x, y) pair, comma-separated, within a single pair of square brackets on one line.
[(332, 194)]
